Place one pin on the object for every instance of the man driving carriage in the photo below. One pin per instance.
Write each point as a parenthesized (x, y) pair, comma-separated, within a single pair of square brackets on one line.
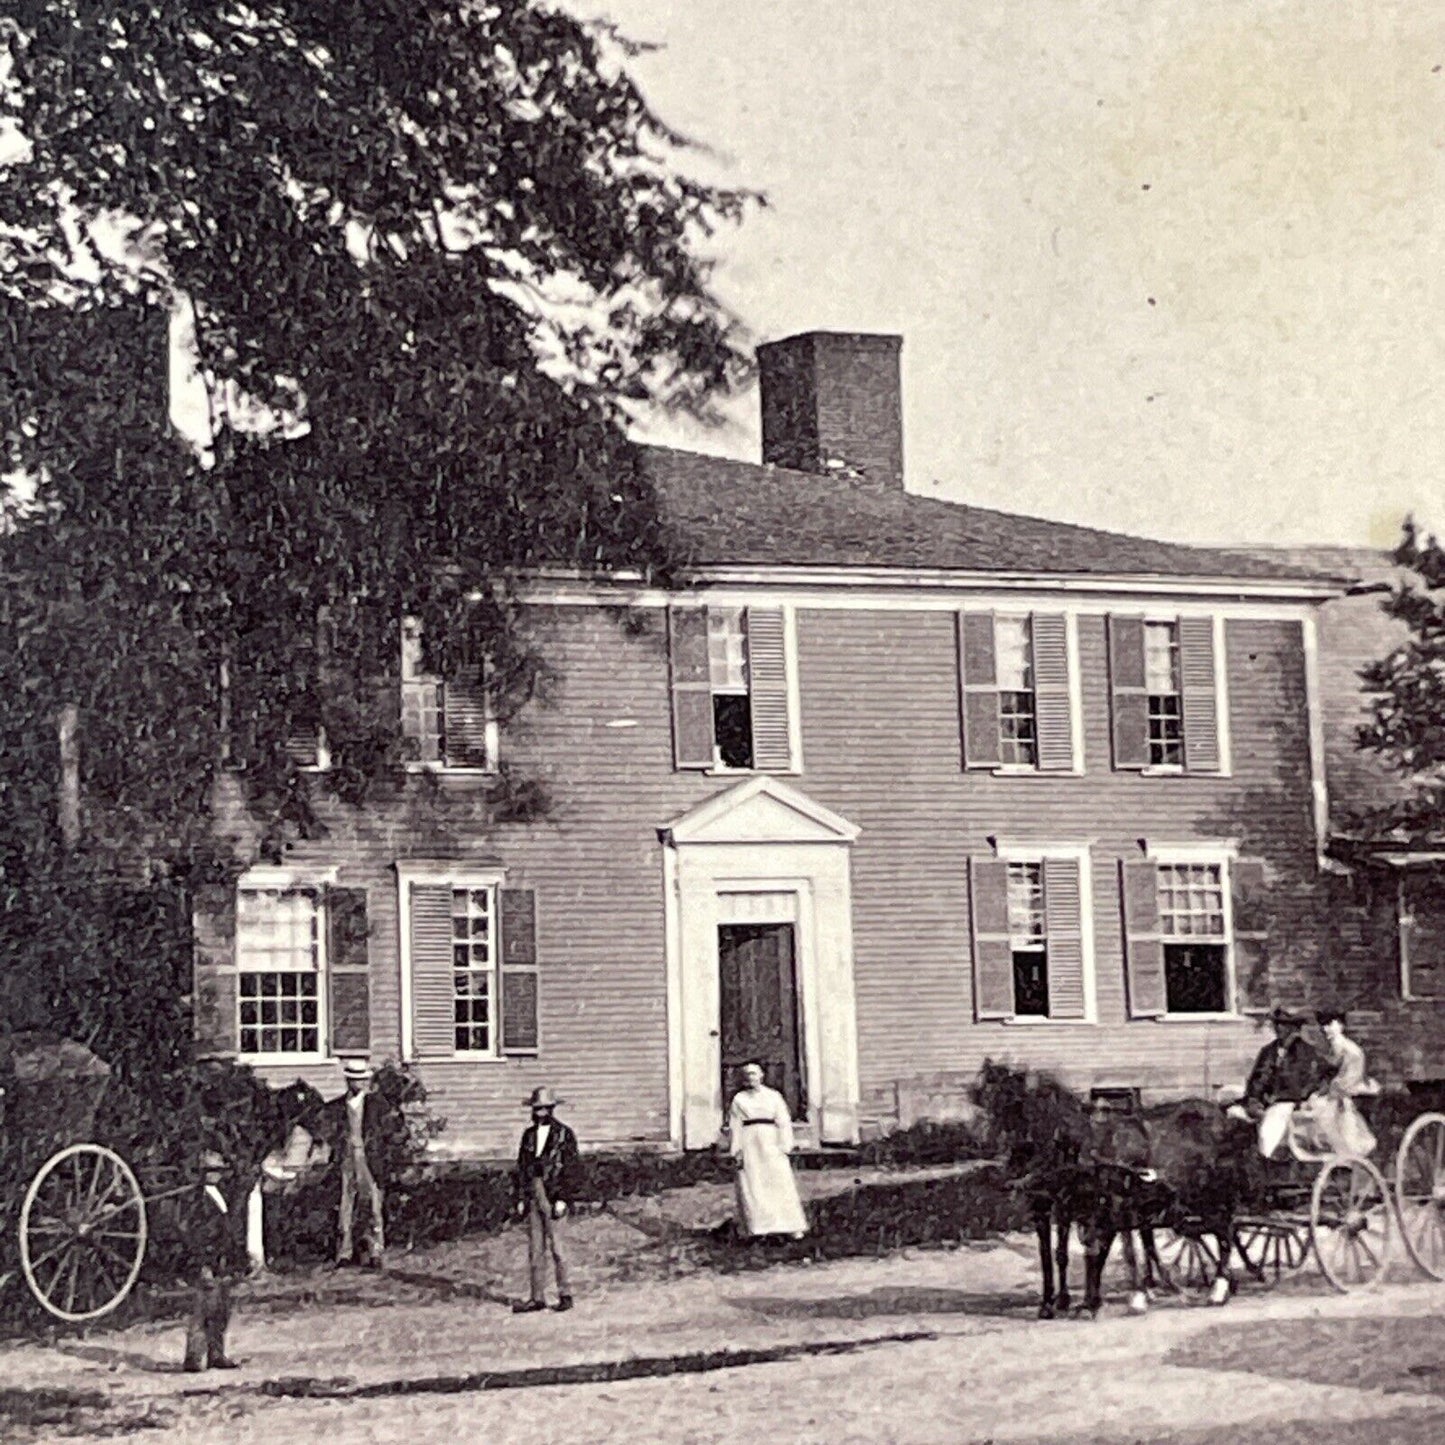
[(1286, 1072)]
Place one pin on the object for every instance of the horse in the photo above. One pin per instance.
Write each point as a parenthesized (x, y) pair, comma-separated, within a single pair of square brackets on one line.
[(1113, 1175)]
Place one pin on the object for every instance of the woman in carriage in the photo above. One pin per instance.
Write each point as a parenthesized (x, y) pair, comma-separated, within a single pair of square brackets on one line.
[(1332, 1109)]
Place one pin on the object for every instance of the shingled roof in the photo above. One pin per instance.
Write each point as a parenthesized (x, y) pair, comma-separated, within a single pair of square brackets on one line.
[(732, 513)]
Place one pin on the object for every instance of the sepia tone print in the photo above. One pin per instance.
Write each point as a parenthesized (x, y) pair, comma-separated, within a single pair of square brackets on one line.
[(720, 721)]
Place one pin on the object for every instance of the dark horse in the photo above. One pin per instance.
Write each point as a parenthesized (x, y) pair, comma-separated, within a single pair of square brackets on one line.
[(1180, 1165)]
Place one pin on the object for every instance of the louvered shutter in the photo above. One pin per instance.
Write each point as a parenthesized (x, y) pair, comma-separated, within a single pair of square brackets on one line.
[(1143, 946), (768, 690), (303, 745), (993, 960), (521, 977), (1129, 696), (1251, 934), (348, 969), (978, 684), (1063, 922), (692, 719), (465, 709), (1197, 681), (433, 990), (1053, 712), (215, 1024)]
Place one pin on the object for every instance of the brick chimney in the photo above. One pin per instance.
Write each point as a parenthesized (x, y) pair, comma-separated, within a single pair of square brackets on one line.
[(833, 403)]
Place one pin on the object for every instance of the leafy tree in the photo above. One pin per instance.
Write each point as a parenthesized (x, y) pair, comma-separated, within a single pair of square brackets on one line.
[(433, 254), (443, 247), (1407, 690)]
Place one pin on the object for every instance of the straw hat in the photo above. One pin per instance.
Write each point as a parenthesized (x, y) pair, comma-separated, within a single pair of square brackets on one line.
[(356, 1070), (543, 1098)]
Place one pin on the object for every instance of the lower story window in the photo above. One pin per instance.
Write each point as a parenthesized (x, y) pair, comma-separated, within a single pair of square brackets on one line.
[(278, 996), (473, 962), (1028, 936), (1194, 926)]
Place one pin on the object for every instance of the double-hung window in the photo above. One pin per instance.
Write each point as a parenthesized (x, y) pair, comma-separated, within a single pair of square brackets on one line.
[(1017, 686), (1032, 933), (732, 706), (1196, 924), (280, 967), (470, 975), (446, 721), (1167, 695)]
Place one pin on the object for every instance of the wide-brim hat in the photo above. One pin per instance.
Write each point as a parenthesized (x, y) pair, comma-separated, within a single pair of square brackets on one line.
[(358, 1069), (210, 1160), (1281, 1015), (542, 1098)]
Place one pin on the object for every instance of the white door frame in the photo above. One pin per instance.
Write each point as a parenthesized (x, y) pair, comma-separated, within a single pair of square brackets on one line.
[(760, 845)]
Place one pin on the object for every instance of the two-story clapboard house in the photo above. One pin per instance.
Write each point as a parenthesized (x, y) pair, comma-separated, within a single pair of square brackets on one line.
[(893, 785)]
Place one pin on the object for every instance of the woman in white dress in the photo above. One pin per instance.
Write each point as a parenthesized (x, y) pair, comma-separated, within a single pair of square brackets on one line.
[(760, 1130), (1333, 1108)]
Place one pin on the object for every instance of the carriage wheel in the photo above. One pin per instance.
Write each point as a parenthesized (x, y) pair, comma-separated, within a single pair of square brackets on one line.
[(1420, 1192), (82, 1232), (1271, 1249), (1350, 1223), (1189, 1259)]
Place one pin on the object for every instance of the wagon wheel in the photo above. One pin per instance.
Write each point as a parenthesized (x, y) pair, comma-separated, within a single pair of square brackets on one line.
[(1350, 1223), (82, 1232), (1189, 1259), (1272, 1248), (1420, 1192)]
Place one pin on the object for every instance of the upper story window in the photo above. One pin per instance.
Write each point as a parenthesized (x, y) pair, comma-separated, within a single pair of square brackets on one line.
[(1019, 692), (279, 971), (447, 721), (1166, 700), (1167, 694), (732, 708), (1422, 932)]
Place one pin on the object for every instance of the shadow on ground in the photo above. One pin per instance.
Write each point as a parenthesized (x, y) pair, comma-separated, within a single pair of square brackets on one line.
[(898, 1302)]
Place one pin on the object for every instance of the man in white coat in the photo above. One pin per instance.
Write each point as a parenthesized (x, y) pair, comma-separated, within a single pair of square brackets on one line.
[(760, 1130)]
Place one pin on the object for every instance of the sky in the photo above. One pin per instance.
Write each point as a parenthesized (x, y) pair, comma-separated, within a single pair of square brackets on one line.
[(1174, 269)]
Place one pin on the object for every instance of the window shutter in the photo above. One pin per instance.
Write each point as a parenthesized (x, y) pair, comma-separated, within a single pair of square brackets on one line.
[(993, 960), (1143, 947), (1063, 920), (464, 722), (303, 745), (348, 966), (521, 978), (1128, 693), (978, 683), (433, 996), (692, 724), (1053, 710), (1251, 935), (213, 1008), (768, 690), (1196, 677)]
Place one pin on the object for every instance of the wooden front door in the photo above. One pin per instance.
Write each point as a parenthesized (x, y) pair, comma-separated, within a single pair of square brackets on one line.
[(759, 998)]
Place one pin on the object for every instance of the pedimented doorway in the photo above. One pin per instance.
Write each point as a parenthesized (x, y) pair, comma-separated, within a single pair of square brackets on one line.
[(760, 960)]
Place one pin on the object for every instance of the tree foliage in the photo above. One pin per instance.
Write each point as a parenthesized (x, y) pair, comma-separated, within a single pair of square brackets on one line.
[(441, 248), (1407, 695)]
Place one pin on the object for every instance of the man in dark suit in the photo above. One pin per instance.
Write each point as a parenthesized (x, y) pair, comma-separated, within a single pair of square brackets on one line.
[(213, 1260), (357, 1127), (546, 1182), (1286, 1072)]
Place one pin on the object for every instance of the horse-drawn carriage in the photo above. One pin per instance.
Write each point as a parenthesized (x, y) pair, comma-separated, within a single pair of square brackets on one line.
[(73, 1215), (1340, 1209)]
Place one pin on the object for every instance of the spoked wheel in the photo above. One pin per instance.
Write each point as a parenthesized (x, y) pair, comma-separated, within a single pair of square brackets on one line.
[(1189, 1259), (82, 1233), (1272, 1249), (1350, 1223), (1420, 1192)]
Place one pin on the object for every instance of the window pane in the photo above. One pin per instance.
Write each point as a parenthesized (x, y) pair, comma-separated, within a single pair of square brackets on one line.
[(1191, 900), (472, 969), (1194, 978), (1031, 982), (1161, 657), (727, 649), (733, 729), (1026, 903), (1013, 654)]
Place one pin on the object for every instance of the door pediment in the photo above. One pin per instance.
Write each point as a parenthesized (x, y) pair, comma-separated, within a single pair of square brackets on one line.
[(760, 810)]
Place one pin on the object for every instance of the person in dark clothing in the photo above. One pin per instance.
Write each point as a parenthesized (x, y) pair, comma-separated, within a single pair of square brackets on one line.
[(1286, 1072), (213, 1260), (546, 1183), (357, 1126)]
